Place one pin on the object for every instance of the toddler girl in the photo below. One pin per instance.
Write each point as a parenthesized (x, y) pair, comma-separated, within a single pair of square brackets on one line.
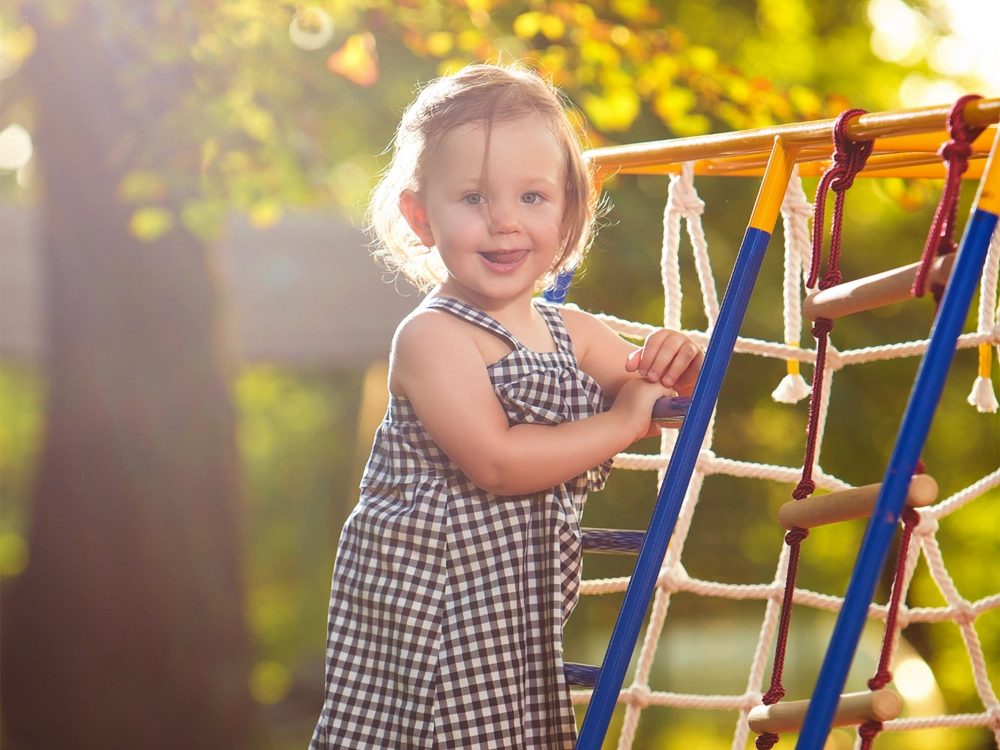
[(461, 562)]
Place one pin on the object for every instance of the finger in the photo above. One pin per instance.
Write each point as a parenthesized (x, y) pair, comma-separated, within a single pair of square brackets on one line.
[(650, 349), (632, 361), (661, 360), (679, 365)]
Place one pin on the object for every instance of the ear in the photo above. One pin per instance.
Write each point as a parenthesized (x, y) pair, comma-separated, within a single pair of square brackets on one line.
[(416, 216)]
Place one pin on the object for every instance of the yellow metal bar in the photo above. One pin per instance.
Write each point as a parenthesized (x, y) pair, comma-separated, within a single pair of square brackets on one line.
[(772, 189), (989, 189), (979, 112), (812, 164)]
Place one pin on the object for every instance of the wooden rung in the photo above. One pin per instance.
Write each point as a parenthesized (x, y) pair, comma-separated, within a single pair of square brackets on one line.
[(857, 502), (853, 708), (872, 291)]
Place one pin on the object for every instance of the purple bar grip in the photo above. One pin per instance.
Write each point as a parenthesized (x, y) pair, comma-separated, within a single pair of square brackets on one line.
[(671, 408)]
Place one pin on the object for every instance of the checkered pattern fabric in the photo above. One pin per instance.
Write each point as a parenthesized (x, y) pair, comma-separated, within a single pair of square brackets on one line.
[(448, 602)]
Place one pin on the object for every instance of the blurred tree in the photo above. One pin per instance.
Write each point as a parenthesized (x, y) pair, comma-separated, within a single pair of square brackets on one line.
[(126, 628)]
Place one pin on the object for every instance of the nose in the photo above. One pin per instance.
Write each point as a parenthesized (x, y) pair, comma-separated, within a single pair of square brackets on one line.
[(503, 219)]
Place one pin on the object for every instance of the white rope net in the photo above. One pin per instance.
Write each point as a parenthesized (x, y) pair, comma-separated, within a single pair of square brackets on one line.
[(683, 204)]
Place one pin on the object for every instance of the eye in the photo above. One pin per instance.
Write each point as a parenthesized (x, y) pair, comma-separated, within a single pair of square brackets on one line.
[(474, 199), (531, 198)]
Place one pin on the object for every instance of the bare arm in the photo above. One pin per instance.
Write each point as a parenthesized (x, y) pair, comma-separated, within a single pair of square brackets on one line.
[(438, 367), (669, 357)]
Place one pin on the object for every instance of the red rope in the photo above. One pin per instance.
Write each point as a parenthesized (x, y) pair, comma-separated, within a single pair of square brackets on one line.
[(868, 732), (871, 728), (955, 153), (848, 159), (793, 539)]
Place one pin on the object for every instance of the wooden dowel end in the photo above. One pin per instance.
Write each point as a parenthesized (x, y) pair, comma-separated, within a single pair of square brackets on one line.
[(852, 709), (857, 502), (871, 292)]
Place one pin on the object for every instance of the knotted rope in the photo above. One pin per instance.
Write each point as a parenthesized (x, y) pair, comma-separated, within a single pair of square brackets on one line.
[(955, 153), (848, 159), (870, 729)]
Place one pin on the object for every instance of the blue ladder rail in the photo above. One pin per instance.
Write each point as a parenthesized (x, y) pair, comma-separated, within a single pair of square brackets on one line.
[(692, 433), (920, 408)]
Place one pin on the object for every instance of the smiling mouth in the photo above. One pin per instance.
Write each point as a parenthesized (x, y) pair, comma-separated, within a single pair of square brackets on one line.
[(504, 260)]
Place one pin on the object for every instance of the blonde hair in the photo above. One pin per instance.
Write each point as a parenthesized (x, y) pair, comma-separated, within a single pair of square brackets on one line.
[(476, 94)]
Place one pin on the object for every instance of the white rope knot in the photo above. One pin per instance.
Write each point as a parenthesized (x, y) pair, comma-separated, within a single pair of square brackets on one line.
[(669, 580), (965, 614), (706, 461), (682, 198), (834, 361), (903, 617), (640, 695), (927, 526), (993, 717)]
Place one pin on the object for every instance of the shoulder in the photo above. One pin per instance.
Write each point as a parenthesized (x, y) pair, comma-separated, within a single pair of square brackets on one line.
[(424, 340)]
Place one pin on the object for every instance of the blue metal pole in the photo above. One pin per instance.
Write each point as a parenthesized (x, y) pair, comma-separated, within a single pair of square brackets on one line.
[(671, 494), (692, 433), (916, 424)]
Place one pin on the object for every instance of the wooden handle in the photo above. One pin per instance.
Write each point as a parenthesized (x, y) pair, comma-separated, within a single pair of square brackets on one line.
[(872, 291), (857, 502), (853, 708)]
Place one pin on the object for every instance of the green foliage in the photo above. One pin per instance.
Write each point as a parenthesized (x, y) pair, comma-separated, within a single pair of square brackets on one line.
[(297, 444), (21, 426)]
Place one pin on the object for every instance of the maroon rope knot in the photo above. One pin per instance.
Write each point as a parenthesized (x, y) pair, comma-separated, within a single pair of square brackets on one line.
[(772, 696), (910, 518), (958, 151), (796, 536), (868, 732), (804, 489), (822, 327), (766, 741), (832, 278), (849, 158), (955, 153), (882, 678)]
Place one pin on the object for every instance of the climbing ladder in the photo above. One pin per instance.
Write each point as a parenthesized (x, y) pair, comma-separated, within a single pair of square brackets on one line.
[(741, 153)]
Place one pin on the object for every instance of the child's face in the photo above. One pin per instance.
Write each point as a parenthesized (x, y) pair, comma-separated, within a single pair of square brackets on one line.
[(495, 217)]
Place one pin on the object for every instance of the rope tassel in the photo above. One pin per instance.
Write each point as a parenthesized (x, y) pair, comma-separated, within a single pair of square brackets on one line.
[(795, 213), (983, 396)]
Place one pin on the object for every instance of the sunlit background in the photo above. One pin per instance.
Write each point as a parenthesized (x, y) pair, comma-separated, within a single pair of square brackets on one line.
[(193, 338)]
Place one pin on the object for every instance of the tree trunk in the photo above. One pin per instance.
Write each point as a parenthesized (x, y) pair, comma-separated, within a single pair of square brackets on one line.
[(127, 628)]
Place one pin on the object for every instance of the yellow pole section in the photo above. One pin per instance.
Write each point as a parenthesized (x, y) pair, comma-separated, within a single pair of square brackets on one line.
[(772, 189), (979, 112), (989, 189)]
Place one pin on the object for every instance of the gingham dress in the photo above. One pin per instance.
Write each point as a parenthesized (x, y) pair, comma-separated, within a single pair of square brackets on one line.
[(448, 601)]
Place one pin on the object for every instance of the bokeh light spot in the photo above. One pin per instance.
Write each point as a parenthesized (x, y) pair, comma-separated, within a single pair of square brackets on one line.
[(269, 682), (356, 60), (311, 29), (151, 223), (914, 680), (15, 147), (13, 555)]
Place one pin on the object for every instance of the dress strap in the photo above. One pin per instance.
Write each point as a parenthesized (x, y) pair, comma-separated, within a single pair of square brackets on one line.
[(556, 326), (473, 315)]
